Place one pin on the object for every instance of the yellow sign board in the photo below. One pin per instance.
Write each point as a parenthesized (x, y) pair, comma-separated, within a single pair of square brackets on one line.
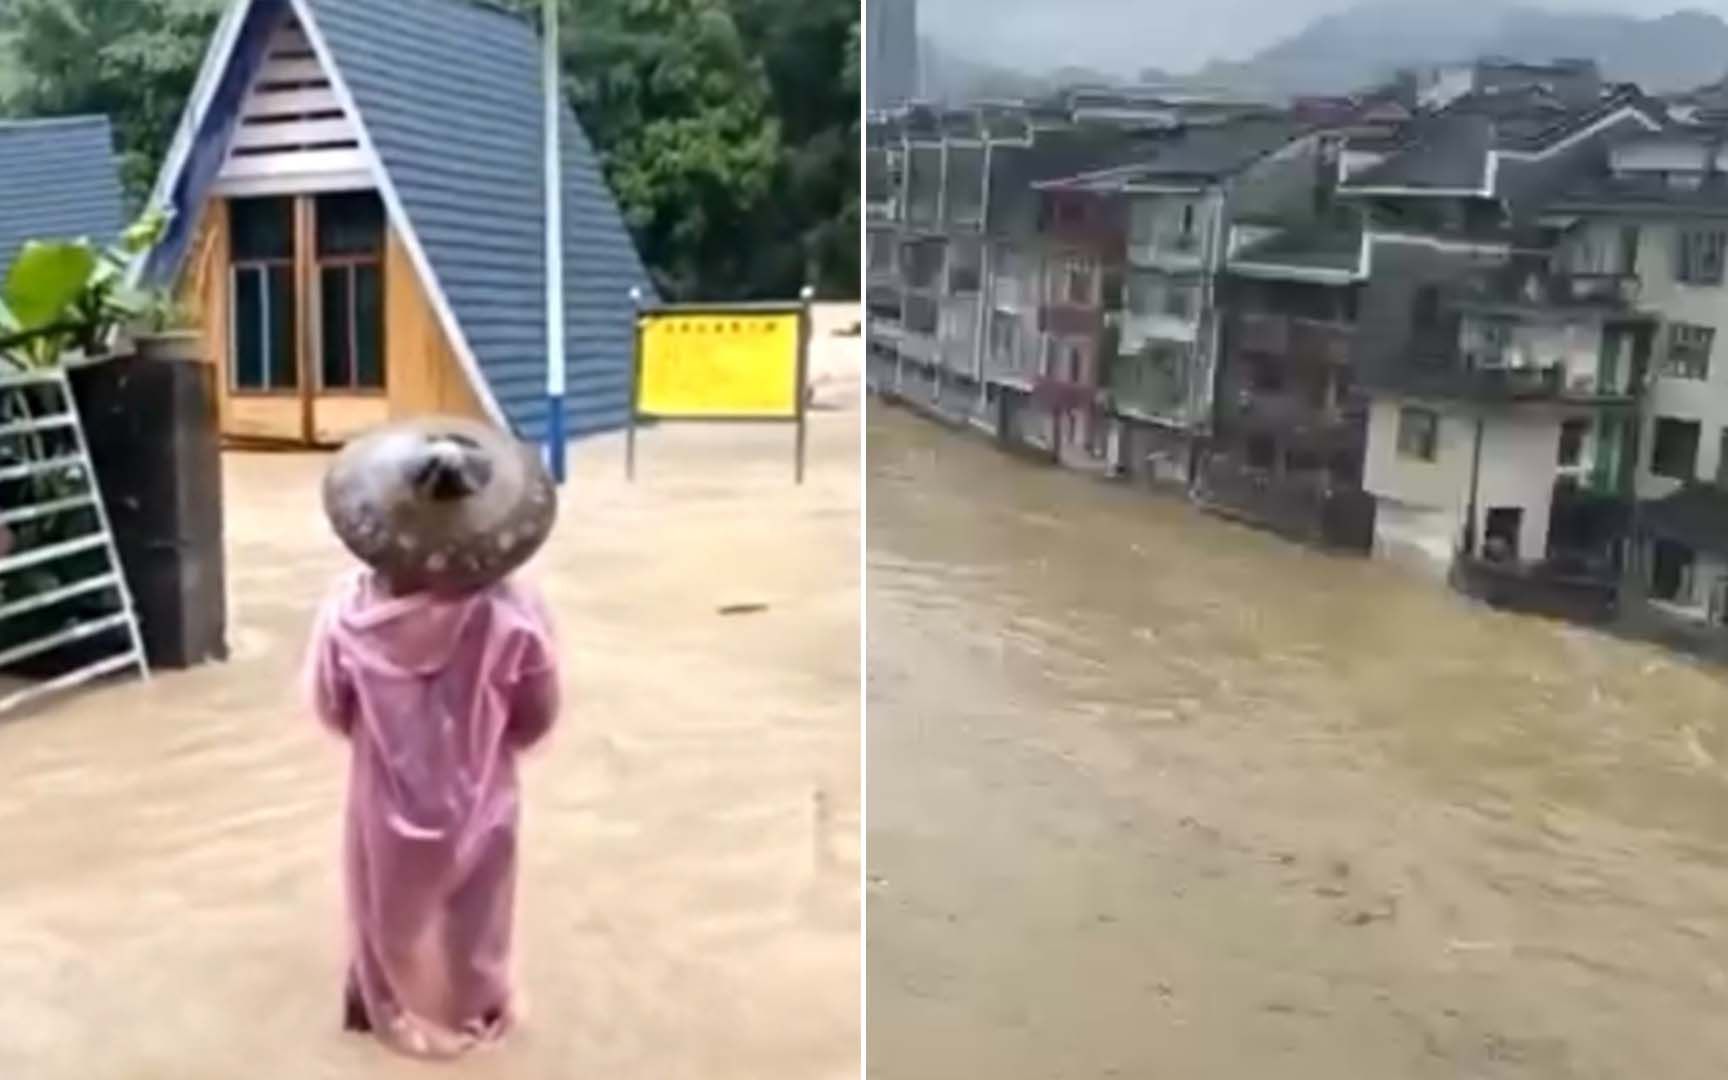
[(696, 365)]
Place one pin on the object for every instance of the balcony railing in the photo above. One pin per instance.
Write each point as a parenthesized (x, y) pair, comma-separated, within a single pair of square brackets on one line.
[(1140, 330), (1063, 319), (1181, 247), (922, 315), (1263, 333), (1321, 342), (964, 280), (1545, 289)]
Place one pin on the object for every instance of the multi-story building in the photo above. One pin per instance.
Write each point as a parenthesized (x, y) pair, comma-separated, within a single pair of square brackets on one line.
[(1081, 255), (1659, 215), (891, 53), (960, 213), (1290, 427), (1504, 351), (1175, 207)]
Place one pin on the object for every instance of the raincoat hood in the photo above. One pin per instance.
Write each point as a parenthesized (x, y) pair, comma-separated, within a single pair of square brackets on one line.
[(402, 636)]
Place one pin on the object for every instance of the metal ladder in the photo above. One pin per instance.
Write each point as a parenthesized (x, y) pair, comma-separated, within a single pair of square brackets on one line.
[(82, 493)]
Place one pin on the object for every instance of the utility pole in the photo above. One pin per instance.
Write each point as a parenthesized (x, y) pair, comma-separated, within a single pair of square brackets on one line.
[(555, 363)]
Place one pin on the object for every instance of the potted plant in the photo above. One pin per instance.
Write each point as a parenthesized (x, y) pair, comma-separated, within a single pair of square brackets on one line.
[(149, 423), (168, 331), (69, 298)]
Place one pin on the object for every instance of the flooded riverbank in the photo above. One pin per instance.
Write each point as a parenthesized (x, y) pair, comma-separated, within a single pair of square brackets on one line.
[(1155, 795)]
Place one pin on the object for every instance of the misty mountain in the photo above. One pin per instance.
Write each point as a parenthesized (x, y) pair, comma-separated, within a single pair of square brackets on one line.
[(1367, 43), (950, 76)]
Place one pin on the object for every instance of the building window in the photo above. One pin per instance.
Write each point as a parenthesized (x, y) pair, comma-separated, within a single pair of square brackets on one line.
[(350, 267), (1688, 351), (1501, 532), (1701, 256), (1572, 434), (1265, 375), (1076, 357), (1075, 281), (1180, 302), (1629, 239), (1425, 309), (1143, 292), (1143, 222), (1671, 570), (1418, 434), (1262, 453), (265, 342), (1675, 453)]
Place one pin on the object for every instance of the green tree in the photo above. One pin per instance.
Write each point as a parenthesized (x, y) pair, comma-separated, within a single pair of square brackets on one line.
[(809, 231), (133, 60), (727, 128), (681, 115)]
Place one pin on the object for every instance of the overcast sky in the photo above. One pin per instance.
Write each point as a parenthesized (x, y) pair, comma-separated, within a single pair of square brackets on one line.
[(1177, 35)]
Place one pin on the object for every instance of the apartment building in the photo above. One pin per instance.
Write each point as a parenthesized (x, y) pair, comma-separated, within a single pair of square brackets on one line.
[(1659, 215), (1504, 351), (1176, 204)]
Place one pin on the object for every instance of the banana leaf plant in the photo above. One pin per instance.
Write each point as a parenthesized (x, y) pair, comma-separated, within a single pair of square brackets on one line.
[(60, 297), (66, 296)]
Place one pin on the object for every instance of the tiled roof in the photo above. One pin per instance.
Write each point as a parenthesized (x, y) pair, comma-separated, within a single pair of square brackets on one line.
[(1449, 150), (1319, 247), (1650, 194), (1206, 153), (58, 180)]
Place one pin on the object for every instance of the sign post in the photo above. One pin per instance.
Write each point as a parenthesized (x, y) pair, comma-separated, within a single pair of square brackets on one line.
[(805, 295), (635, 383), (721, 363)]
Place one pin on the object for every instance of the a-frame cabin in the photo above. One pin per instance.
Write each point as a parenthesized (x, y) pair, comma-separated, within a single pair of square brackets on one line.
[(357, 189)]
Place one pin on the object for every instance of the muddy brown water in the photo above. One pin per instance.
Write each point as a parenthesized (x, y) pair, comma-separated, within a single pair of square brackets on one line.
[(1153, 795), (170, 906)]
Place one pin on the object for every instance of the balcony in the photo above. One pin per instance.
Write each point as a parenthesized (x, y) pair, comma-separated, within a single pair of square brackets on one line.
[(1286, 410), (1179, 249), (1139, 330), (1508, 385), (883, 299), (1258, 332), (921, 315), (1321, 342), (964, 281), (967, 214), (1523, 290), (1068, 321)]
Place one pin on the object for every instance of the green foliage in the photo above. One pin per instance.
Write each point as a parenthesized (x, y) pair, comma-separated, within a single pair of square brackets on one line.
[(67, 294), (809, 232), (132, 60), (727, 128)]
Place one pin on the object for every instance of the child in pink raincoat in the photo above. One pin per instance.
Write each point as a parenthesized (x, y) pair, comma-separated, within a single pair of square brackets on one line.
[(439, 673)]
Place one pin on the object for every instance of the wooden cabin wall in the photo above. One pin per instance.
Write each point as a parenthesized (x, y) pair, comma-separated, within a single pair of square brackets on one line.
[(422, 371)]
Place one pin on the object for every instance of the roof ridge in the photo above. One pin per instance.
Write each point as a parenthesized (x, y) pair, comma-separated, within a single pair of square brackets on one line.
[(13, 123)]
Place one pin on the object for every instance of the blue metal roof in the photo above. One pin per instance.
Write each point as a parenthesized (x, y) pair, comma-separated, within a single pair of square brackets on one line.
[(59, 180), (448, 92)]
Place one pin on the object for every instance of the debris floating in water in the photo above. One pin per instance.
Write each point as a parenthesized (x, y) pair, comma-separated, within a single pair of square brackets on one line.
[(743, 609)]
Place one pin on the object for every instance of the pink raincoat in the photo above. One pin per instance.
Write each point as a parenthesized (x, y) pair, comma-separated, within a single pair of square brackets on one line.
[(436, 697)]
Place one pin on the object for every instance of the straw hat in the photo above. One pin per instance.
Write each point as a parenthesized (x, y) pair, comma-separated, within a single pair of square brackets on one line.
[(440, 504)]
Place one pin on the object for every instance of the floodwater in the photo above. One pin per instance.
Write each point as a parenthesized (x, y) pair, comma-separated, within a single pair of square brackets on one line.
[(170, 905), (1154, 795)]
